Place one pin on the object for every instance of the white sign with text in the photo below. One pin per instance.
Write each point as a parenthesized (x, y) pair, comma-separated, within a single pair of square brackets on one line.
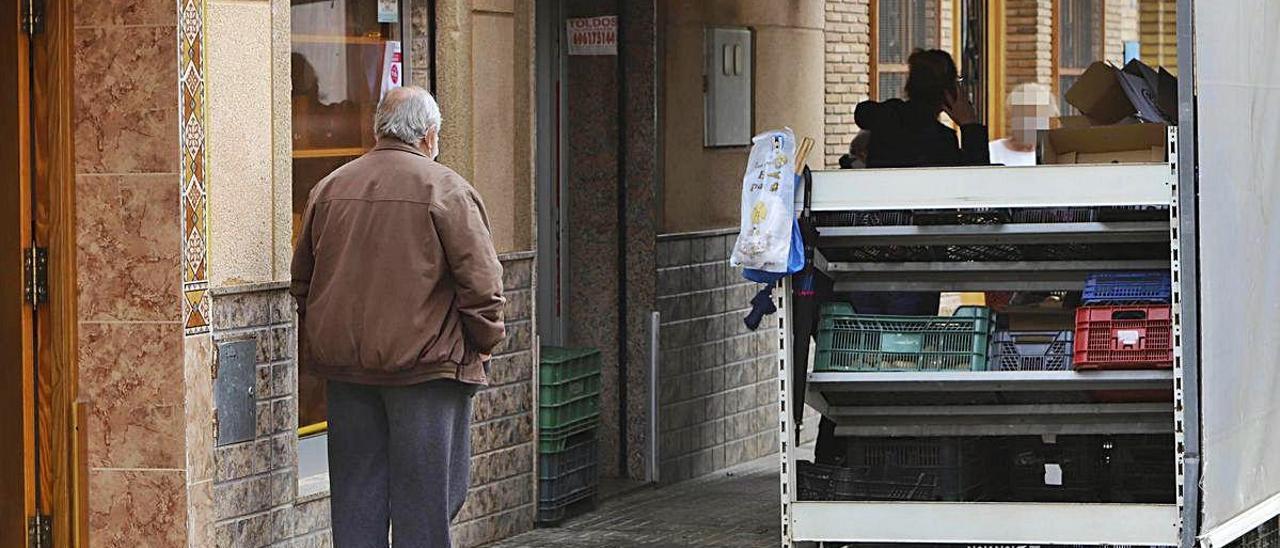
[(593, 35)]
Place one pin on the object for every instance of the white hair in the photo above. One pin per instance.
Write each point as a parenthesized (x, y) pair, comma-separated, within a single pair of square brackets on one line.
[(407, 114)]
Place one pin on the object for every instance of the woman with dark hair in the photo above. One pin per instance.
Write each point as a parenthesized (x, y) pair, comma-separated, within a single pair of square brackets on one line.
[(908, 133)]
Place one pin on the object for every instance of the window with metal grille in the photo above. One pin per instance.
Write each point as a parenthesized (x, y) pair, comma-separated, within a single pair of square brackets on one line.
[(902, 26), (1079, 44)]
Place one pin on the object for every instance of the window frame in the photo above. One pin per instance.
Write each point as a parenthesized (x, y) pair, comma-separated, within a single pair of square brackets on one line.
[(876, 67), (1098, 46)]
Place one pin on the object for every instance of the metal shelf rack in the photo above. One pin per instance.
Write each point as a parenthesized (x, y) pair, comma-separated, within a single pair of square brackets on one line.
[(1043, 402)]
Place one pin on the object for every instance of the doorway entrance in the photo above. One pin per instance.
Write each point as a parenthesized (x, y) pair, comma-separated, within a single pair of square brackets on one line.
[(41, 483)]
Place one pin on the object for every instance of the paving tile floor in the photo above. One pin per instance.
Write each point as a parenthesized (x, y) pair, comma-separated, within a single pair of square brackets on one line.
[(737, 507)]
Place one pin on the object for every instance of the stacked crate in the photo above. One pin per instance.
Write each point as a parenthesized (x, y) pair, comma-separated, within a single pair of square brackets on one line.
[(1062, 469), (1031, 351), (1126, 322), (952, 469), (568, 413), (1141, 469), (859, 342)]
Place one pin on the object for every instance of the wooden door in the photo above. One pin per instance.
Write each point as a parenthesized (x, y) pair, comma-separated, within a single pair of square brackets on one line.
[(40, 476), (17, 400)]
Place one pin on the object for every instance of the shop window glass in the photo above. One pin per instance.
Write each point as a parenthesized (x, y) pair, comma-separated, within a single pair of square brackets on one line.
[(344, 53)]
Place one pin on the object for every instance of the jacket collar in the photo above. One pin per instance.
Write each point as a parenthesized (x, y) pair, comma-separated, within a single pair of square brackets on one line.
[(391, 143)]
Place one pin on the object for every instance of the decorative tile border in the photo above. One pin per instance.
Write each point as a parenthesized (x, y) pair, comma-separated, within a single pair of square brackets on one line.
[(191, 133)]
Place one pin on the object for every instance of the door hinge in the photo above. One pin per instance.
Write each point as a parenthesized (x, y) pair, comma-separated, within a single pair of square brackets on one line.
[(39, 531), (215, 425), (33, 17), (36, 273)]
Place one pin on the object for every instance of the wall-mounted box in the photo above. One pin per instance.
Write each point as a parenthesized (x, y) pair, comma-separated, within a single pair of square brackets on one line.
[(727, 87)]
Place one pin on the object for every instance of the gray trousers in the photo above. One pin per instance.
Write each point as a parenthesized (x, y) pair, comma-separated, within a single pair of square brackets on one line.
[(398, 455)]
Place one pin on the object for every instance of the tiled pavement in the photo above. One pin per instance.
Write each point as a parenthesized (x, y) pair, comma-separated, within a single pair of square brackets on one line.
[(734, 508)]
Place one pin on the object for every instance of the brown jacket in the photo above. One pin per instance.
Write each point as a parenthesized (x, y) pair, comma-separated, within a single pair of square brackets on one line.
[(395, 273)]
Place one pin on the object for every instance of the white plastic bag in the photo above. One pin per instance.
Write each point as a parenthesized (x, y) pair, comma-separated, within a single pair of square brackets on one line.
[(768, 203)]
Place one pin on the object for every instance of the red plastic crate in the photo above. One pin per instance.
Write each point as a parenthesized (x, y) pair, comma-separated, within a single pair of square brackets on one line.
[(1123, 337)]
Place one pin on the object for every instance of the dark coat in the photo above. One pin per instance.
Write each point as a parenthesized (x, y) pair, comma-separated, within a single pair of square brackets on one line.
[(904, 134)]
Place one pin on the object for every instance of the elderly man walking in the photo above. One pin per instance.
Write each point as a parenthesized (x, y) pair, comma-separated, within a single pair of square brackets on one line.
[(399, 294)]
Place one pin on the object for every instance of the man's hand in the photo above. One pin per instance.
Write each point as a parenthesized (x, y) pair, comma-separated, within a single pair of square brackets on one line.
[(958, 107)]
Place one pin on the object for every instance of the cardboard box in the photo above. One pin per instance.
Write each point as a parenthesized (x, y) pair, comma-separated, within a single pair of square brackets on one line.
[(1125, 144), (1107, 95), (1097, 94)]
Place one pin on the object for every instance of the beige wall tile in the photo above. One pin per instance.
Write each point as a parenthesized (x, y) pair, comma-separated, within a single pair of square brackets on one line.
[(131, 376), (129, 251), (240, 153), (491, 126), (101, 13), (130, 508), (200, 515), (197, 360), (127, 100), (282, 138)]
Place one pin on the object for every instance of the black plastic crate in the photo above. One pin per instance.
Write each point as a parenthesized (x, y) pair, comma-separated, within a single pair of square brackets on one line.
[(1133, 213), (961, 217), (822, 482), (551, 515), (1266, 535), (1028, 460), (1054, 215), (1141, 469), (863, 218), (564, 475), (962, 466), (1031, 351)]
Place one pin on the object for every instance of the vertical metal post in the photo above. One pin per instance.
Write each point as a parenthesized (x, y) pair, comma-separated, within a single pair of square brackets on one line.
[(1183, 152), (655, 327), (1179, 364), (786, 425)]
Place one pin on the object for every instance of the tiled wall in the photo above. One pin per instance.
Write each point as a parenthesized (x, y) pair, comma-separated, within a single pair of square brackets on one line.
[(501, 501), (255, 496), (128, 268), (255, 482), (718, 400)]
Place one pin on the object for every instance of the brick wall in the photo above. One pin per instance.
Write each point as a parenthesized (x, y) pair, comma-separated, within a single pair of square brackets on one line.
[(718, 396), (1158, 31), (946, 20), (848, 73), (1029, 39), (1114, 15), (255, 489)]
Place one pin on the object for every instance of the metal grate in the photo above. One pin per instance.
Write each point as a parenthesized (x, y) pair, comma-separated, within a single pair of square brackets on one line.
[(1266, 535)]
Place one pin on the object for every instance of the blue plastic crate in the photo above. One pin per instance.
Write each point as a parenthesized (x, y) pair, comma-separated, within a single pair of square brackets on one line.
[(1128, 288)]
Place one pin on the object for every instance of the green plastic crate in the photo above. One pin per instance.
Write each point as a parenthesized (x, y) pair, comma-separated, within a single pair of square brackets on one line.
[(853, 342), (552, 395), (559, 365), (556, 440), (570, 411)]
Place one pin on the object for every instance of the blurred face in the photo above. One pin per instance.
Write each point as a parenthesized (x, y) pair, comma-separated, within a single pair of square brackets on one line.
[(1025, 120)]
